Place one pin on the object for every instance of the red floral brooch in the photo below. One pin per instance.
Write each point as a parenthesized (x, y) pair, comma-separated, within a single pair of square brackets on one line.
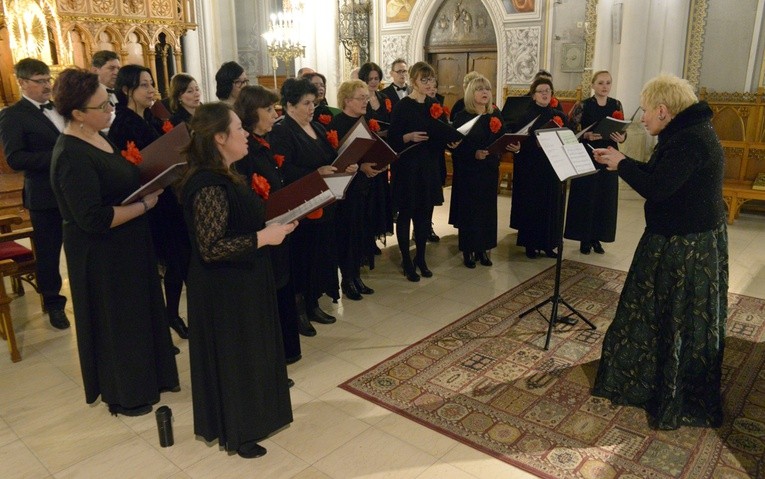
[(279, 159), (557, 120), (260, 185), (374, 125), (262, 141), (436, 110), (495, 124), (132, 154), (315, 215), (167, 126), (332, 138), (388, 105), (618, 115), (325, 119), (554, 102)]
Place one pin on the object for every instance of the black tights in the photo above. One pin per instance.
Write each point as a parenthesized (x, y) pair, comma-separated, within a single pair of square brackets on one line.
[(422, 220)]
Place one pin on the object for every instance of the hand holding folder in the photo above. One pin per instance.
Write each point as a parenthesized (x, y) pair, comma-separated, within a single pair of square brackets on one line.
[(300, 198), (354, 145)]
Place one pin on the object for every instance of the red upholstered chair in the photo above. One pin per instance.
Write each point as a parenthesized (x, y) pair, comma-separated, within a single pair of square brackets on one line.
[(18, 263)]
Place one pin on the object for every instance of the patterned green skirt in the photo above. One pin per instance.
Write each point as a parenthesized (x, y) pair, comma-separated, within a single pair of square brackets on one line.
[(664, 350)]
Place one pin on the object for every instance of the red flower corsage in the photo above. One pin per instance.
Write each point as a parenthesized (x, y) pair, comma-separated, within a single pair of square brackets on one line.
[(260, 185), (332, 138), (373, 125), (167, 126), (436, 110), (447, 111), (132, 154), (279, 159), (617, 114), (557, 120), (495, 124), (388, 105), (554, 102), (315, 215), (261, 140), (325, 119)]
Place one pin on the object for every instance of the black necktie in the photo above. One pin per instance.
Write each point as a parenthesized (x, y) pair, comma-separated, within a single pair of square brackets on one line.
[(110, 91), (46, 106), (399, 88)]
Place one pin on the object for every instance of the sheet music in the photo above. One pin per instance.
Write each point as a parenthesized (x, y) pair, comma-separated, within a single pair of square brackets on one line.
[(302, 210), (338, 183), (569, 159), (567, 137), (578, 156), (465, 129)]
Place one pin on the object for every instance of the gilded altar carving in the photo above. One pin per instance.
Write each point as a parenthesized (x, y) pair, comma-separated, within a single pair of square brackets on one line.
[(694, 47)]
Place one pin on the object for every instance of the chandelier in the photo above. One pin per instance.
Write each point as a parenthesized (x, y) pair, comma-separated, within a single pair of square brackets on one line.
[(283, 37)]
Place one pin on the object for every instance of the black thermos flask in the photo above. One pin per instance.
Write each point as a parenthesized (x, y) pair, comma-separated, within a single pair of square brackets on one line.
[(165, 426)]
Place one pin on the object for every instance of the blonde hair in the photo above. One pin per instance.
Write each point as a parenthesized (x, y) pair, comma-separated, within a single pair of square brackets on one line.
[(469, 76), (597, 74), (480, 80), (346, 89), (668, 90)]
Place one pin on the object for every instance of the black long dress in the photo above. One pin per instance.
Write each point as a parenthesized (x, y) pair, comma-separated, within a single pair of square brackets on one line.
[(379, 216), (473, 207), (314, 256), (353, 238), (260, 160), (238, 374), (535, 203), (123, 338), (168, 229), (593, 199)]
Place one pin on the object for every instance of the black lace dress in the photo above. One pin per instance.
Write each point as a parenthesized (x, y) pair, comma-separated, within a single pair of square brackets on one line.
[(238, 373)]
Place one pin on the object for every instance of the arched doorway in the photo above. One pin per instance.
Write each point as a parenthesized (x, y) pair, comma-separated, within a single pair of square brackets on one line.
[(460, 39)]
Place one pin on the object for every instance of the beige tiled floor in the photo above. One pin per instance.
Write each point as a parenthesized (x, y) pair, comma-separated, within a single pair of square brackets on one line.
[(47, 430)]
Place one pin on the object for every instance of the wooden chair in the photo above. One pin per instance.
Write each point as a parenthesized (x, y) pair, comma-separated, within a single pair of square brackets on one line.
[(18, 263)]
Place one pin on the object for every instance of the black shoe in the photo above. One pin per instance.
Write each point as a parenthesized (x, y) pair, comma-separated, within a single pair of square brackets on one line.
[(597, 247), (290, 383), (58, 318), (433, 237), (550, 253), (483, 257), (177, 324), (305, 327), (129, 411), (297, 358), (584, 247), (531, 253), (174, 389), (424, 271), (251, 450), (175, 349), (319, 316), (467, 260), (349, 290), (361, 287), (409, 271)]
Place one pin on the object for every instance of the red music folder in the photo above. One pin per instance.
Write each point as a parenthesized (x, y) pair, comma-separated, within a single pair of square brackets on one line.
[(354, 144), (311, 192), (164, 152), (161, 181), (159, 110)]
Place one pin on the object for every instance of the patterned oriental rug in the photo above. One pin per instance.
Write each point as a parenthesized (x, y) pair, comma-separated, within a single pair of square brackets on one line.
[(485, 381)]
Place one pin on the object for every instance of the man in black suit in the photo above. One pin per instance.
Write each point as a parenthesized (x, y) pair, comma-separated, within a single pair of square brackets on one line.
[(28, 131), (398, 89)]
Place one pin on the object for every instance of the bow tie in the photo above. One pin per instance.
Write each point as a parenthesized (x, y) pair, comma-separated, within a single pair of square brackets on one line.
[(46, 106), (110, 91), (399, 88)]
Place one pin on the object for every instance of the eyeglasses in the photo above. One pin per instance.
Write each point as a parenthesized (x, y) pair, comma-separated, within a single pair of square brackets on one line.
[(546, 91), (400, 72), (39, 81), (483, 88), (362, 98), (246, 81), (427, 81), (103, 106)]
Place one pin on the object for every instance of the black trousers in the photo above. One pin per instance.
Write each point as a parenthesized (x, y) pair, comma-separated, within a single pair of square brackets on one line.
[(48, 228)]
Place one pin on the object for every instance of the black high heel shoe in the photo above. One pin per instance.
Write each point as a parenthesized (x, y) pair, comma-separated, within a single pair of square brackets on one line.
[(424, 271), (361, 287), (177, 324), (251, 450), (483, 258), (467, 260), (531, 252), (318, 316), (349, 290), (584, 247), (550, 253), (597, 247)]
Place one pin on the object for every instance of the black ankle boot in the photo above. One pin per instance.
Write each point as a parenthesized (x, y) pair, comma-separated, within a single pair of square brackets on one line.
[(349, 290), (483, 257), (531, 252), (424, 271), (361, 287), (467, 260), (177, 324), (317, 315), (584, 247), (597, 247), (409, 271), (305, 327)]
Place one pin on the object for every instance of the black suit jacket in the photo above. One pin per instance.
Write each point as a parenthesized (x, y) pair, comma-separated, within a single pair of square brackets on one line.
[(390, 92), (27, 137)]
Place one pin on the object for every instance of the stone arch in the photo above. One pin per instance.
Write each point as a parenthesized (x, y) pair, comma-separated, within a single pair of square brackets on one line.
[(107, 35), (82, 50), (140, 48)]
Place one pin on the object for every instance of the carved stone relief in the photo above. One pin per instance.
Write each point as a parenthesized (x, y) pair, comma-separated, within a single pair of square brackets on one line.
[(105, 7), (393, 46), (161, 8), (462, 22), (523, 54), (74, 6)]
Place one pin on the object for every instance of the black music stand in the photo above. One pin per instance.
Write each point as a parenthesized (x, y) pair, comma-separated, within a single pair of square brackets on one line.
[(556, 299)]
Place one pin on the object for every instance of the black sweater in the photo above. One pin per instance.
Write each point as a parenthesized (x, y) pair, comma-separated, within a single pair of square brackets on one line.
[(682, 182)]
